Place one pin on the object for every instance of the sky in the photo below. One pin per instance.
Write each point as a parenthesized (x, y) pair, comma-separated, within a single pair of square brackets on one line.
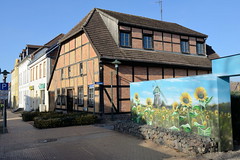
[(38, 21)]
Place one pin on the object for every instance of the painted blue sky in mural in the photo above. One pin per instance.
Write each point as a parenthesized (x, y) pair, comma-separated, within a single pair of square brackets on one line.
[(173, 88)]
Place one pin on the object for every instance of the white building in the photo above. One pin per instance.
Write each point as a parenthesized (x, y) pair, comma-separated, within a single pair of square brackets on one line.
[(40, 71), (24, 76)]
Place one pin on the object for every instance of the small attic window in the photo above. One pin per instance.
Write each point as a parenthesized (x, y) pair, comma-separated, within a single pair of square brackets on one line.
[(200, 48), (148, 41), (184, 46), (125, 39)]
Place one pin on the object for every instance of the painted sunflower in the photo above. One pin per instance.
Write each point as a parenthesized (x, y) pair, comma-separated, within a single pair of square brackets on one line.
[(229, 115), (151, 118), (163, 117), (216, 112), (136, 96), (149, 101), (174, 106), (200, 94), (205, 123), (186, 99), (138, 108), (194, 120), (207, 117), (164, 108)]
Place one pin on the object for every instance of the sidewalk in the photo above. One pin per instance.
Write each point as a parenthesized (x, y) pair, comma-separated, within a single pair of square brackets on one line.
[(24, 142)]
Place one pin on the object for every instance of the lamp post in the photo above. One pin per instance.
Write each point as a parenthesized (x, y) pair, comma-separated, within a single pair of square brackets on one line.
[(116, 64), (5, 73)]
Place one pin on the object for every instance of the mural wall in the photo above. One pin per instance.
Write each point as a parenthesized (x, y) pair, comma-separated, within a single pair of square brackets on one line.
[(198, 105), (226, 66)]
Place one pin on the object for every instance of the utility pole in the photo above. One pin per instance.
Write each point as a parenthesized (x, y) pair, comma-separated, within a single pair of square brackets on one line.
[(161, 10)]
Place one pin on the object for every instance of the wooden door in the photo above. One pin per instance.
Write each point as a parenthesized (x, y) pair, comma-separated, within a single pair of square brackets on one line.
[(69, 100)]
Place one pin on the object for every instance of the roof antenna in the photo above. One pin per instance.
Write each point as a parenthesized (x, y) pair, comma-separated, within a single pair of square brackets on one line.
[(161, 10)]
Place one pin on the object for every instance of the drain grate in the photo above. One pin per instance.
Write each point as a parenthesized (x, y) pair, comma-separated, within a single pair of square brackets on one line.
[(47, 140)]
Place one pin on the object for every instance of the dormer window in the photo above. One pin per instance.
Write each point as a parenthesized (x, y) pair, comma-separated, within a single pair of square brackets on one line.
[(184, 46), (200, 48), (124, 39), (148, 41)]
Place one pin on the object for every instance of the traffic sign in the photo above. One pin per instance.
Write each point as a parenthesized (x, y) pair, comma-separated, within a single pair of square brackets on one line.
[(4, 86), (3, 94), (99, 83)]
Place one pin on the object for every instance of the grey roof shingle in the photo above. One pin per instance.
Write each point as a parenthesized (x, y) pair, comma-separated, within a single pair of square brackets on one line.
[(106, 47), (152, 23)]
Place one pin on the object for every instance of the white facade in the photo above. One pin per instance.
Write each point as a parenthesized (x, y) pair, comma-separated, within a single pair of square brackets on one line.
[(24, 94), (39, 75)]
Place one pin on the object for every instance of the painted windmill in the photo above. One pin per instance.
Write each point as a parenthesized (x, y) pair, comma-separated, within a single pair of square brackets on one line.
[(158, 101)]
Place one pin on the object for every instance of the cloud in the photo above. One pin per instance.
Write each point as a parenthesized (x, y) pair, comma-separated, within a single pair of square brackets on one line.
[(172, 88), (147, 93), (176, 80), (136, 83)]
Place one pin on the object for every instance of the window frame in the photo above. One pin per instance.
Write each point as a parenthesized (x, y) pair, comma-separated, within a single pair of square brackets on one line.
[(91, 96), (62, 73), (37, 73), (63, 97), (201, 48), (44, 69), (40, 71), (42, 92), (80, 96), (184, 44), (129, 39), (81, 69), (69, 71), (58, 100), (143, 40)]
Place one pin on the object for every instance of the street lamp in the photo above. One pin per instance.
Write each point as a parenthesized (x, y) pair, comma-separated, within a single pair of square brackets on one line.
[(116, 63), (4, 73)]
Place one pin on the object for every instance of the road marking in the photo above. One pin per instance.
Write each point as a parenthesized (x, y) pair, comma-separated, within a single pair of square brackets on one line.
[(87, 151)]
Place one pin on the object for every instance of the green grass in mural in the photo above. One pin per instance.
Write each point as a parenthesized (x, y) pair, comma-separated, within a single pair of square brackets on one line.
[(182, 115)]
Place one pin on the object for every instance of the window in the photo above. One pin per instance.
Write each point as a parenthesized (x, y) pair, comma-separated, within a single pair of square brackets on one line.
[(69, 72), (147, 42), (184, 46), (90, 96), (200, 48), (33, 75), (44, 69), (36, 72), (62, 73), (81, 69), (124, 39), (42, 96), (40, 71), (80, 96), (58, 97), (63, 97)]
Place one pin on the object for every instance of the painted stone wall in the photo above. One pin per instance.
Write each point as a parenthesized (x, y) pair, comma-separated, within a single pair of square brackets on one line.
[(197, 105)]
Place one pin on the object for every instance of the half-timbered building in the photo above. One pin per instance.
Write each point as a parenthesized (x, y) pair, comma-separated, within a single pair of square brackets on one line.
[(107, 50)]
